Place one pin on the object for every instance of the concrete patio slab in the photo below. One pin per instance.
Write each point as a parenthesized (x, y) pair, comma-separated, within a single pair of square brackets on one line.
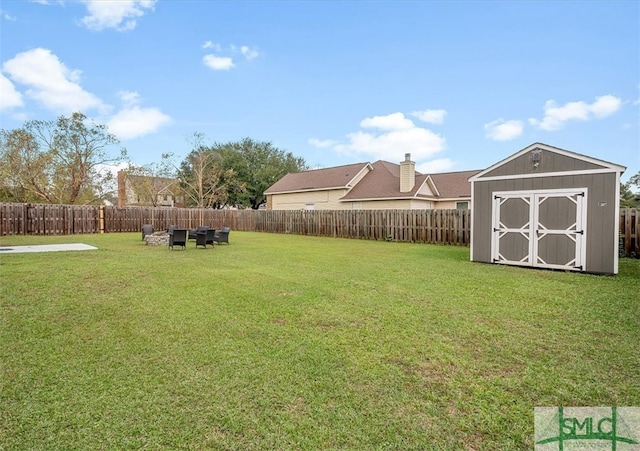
[(46, 248)]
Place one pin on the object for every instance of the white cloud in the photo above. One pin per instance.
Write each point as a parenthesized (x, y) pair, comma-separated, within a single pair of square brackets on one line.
[(396, 136), (50, 82), (9, 96), (118, 14), (501, 130), (129, 98), (132, 121), (394, 121), (555, 116), (218, 62), (321, 143), (605, 106), (249, 53), (212, 45), (9, 17), (430, 116), (112, 169), (435, 166)]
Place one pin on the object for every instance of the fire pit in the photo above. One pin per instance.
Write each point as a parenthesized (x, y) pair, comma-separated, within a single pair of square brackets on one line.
[(157, 239)]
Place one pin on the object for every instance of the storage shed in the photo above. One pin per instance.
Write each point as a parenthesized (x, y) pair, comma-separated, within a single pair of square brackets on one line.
[(546, 207)]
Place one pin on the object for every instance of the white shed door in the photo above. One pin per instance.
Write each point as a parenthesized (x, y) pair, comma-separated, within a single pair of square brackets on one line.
[(542, 229)]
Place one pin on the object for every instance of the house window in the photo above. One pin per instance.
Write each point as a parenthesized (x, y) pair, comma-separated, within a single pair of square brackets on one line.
[(356, 205), (310, 207), (462, 205)]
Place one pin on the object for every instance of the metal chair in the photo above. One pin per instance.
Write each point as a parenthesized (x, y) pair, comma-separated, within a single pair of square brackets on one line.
[(223, 236), (193, 233), (178, 237), (205, 237), (147, 229)]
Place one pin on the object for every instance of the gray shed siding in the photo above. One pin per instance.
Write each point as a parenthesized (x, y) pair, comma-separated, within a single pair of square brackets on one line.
[(601, 214), (549, 162)]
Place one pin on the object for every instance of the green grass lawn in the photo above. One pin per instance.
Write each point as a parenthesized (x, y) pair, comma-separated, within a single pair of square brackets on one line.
[(294, 342)]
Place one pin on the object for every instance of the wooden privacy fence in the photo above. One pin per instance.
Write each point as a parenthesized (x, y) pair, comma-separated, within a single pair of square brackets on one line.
[(630, 232), (421, 226), (48, 219), (424, 226)]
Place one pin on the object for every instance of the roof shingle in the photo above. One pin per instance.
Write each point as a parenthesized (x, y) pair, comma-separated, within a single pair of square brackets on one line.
[(382, 181), (317, 179)]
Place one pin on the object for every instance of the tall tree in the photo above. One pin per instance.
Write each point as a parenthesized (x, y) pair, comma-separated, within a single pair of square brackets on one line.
[(152, 182), (256, 166), (202, 178), (200, 175), (62, 161), (630, 197), (25, 171)]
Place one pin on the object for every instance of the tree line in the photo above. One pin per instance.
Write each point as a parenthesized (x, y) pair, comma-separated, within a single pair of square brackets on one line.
[(70, 161), (629, 192)]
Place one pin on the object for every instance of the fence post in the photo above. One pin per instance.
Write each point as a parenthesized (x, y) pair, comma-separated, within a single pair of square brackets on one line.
[(101, 218), (25, 219)]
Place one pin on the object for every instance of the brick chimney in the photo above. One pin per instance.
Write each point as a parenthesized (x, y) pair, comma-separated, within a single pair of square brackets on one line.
[(407, 174)]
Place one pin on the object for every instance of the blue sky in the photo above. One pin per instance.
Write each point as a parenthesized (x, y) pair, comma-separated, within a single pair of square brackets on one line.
[(459, 85)]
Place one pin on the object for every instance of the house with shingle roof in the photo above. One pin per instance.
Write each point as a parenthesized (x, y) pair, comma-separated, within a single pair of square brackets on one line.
[(142, 190), (370, 186)]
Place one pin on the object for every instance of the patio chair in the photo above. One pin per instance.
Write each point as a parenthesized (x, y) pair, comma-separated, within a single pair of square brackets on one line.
[(222, 236), (147, 229), (178, 237), (205, 237), (193, 233)]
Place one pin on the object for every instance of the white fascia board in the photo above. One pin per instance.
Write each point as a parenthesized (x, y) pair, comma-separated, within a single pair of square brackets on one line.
[(350, 184), (432, 184), (616, 226), (460, 199), (424, 182), (472, 224), (308, 190), (546, 174)]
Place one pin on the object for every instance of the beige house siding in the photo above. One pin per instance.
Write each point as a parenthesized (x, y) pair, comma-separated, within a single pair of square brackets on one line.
[(321, 200), (329, 200), (450, 204), (378, 186), (425, 190), (402, 204), (159, 187)]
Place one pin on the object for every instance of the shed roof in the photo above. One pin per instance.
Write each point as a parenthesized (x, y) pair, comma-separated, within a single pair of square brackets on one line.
[(594, 163)]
